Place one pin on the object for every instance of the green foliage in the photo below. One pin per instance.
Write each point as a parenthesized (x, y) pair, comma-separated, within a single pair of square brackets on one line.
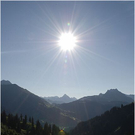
[(6, 131), (19, 125)]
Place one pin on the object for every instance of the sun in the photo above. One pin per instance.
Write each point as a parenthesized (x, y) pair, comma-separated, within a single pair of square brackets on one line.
[(67, 41)]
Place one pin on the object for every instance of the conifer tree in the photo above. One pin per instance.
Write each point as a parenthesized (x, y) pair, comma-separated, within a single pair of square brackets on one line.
[(46, 129), (55, 130), (3, 117), (30, 119), (21, 117), (38, 128), (50, 128), (25, 119)]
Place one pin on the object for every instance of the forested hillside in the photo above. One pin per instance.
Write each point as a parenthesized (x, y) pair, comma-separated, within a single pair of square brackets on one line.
[(23, 125)]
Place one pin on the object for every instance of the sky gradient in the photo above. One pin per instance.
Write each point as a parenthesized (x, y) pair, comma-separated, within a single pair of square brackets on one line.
[(103, 58)]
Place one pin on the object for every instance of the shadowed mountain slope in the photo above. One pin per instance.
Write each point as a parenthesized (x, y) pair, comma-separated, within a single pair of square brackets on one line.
[(15, 99)]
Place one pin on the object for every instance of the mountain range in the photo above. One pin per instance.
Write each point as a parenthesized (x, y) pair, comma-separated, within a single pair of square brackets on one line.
[(15, 99), (59, 100)]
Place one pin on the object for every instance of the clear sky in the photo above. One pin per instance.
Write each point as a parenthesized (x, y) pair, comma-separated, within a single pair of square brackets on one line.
[(102, 59)]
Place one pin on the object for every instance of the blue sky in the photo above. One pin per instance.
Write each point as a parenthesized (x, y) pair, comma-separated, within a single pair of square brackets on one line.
[(102, 59)]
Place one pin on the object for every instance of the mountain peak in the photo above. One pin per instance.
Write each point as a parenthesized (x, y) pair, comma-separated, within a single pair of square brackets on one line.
[(65, 95), (5, 82), (116, 95), (113, 92), (114, 89)]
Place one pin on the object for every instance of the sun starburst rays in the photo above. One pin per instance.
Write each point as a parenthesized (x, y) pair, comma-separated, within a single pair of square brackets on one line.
[(68, 37)]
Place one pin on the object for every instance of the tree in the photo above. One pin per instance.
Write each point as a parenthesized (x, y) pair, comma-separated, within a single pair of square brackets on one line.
[(18, 127), (55, 130), (39, 129), (21, 117), (3, 117), (10, 121), (32, 130), (32, 122), (25, 119), (30, 119), (50, 128), (16, 118), (46, 129), (24, 122)]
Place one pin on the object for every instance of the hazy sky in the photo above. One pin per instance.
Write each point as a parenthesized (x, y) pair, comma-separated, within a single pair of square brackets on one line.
[(102, 59)]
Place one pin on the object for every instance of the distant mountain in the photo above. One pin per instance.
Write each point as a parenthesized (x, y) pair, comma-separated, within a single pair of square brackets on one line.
[(117, 121), (15, 99), (91, 106), (59, 100)]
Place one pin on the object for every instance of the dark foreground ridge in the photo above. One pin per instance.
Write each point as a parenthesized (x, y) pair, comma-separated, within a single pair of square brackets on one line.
[(117, 121)]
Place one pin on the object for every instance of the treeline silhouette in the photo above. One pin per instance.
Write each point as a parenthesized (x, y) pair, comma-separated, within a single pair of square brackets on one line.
[(24, 125)]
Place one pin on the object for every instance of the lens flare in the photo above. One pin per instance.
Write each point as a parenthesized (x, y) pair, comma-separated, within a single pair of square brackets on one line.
[(68, 24)]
